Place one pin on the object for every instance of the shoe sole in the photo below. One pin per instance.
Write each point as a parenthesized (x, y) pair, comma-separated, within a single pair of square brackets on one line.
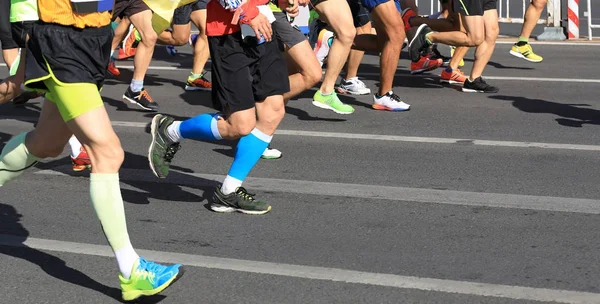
[(190, 88), (519, 55), (450, 81), (153, 126), (384, 108), (477, 91), (324, 106), (226, 209), (417, 33), (136, 294), (125, 98), (345, 92), (271, 157)]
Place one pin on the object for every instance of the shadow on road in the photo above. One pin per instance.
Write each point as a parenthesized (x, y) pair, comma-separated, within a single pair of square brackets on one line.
[(12, 238), (571, 115)]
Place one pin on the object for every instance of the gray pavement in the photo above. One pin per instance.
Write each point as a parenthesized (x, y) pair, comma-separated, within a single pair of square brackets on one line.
[(467, 198)]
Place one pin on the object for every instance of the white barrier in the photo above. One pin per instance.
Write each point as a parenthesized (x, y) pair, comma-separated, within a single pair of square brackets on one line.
[(589, 17)]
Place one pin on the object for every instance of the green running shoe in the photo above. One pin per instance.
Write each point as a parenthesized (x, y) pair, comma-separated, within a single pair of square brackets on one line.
[(331, 102), (162, 149)]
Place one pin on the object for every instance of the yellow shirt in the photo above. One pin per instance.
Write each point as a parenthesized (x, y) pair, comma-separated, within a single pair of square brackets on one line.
[(60, 12)]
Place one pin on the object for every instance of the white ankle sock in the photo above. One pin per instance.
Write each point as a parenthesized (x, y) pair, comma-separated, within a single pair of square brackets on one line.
[(126, 257), (75, 146), (173, 131)]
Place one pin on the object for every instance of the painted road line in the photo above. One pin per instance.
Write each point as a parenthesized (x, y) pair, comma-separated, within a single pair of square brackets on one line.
[(319, 273), (362, 136), (375, 192)]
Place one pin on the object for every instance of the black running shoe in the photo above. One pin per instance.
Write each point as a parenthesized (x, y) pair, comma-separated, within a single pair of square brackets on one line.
[(141, 98), (26, 96), (240, 201), (418, 43), (479, 86)]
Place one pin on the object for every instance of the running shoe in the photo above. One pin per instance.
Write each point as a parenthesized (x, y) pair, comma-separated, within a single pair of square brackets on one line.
[(478, 86), (82, 161), (171, 50), (112, 68), (271, 153), (435, 54), (462, 61), (524, 50), (131, 41), (238, 201), (148, 279), (454, 77), (26, 96), (425, 64), (331, 102), (407, 14), (162, 149), (121, 55), (193, 39), (200, 83), (418, 43), (389, 102), (353, 86), (323, 45), (141, 98)]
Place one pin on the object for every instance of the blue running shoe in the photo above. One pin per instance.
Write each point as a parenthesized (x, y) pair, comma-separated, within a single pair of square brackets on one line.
[(148, 279)]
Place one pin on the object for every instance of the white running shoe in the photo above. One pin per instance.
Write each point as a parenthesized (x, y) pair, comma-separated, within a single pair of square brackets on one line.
[(353, 86), (390, 102)]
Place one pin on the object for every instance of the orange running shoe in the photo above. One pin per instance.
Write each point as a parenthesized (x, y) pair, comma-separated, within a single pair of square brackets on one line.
[(425, 64), (454, 77), (200, 83), (130, 43), (406, 15), (112, 68), (82, 161)]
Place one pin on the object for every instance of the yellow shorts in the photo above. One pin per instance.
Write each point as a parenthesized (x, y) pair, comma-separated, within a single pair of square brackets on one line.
[(73, 99)]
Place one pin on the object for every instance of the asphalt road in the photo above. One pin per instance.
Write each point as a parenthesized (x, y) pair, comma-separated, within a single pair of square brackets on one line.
[(467, 198)]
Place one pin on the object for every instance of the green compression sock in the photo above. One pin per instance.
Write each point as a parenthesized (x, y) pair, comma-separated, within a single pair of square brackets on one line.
[(15, 159), (105, 192)]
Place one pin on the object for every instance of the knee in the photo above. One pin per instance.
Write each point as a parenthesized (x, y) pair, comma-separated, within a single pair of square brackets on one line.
[(346, 34), (491, 34), (180, 39), (313, 76), (475, 40), (149, 38), (107, 155), (242, 128)]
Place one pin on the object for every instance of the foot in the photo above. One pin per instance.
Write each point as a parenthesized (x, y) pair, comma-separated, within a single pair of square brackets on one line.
[(148, 279), (162, 149), (238, 201)]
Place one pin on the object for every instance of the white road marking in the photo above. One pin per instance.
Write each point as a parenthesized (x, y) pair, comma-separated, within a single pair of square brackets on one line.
[(390, 193), (320, 273), (362, 136)]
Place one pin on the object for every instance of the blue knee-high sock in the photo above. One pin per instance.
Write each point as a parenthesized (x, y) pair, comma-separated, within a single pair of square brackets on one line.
[(201, 127), (248, 152)]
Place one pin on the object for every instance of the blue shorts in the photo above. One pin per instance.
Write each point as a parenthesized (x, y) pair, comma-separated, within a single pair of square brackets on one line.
[(371, 4)]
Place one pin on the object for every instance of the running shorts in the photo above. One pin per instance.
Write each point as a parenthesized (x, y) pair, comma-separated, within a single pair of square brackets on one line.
[(80, 66), (20, 30), (243, 74), (128, 8), (371, 4), (360, 15), (474, 7), (286, 34), (182, 14)]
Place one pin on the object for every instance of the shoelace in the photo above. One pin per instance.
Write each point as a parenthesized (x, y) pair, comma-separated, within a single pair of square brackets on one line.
[(145, 94), (394, 97), (171, 150), (241, 191)]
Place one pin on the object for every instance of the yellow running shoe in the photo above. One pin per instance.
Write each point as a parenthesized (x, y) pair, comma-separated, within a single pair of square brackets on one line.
[(526, 52), (462, 61)]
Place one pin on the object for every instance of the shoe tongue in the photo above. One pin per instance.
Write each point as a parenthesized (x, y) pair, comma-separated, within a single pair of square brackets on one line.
[(390, 93)]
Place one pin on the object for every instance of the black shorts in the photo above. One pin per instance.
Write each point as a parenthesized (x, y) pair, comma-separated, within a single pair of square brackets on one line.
[(474, 7), (20, 30), (182, 14), (285, 33), (360, 15), (128, 8), (243, 74), (84, 60)]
